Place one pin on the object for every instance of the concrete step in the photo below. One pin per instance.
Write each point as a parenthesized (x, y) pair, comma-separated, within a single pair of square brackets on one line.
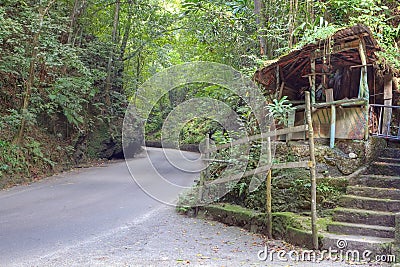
[(361, 229), (372, 180), (359, 216), (384, 168), (391, 153), (352, 243), (374, 192), (368, 203)]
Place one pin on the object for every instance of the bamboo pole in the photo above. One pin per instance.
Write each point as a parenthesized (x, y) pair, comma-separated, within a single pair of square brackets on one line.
[(295, 129), (205, 174), (268, 184), (207, 153), (269, 203), (333, 126), (312, 173), (387, 98), (312, 79), (364, 90), (263, 169), (342, 103)]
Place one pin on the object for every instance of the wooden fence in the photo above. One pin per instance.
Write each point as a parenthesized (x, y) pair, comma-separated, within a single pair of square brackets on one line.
[(266, 169)]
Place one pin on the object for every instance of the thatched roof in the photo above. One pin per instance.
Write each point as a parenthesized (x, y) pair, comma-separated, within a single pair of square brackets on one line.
[(340, 50)]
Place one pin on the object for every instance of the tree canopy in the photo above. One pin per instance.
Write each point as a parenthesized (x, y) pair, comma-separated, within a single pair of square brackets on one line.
[(69, 67)]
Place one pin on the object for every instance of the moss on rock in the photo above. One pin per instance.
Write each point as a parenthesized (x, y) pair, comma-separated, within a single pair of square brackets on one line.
[(289, 226)]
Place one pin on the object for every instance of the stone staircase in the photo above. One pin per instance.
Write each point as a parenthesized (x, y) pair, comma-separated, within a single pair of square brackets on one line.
[(365, 218)]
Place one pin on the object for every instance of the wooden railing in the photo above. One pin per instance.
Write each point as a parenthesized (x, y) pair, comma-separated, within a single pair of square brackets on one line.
[(332, 105), (385, 121), (266, 169)]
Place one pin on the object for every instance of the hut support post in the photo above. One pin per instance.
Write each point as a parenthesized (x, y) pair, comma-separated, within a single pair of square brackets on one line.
[(312, 78), (291, 121), (333, 126), (387, 112), (278, 82), (363, 90)]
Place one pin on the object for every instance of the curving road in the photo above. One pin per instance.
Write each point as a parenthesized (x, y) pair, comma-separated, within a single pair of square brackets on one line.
[(77, 206), (101, 217)]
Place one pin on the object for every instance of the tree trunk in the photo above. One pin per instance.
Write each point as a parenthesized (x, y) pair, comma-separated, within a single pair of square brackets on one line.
[(122, 49), (31, 74), (111, 57), (294, 5), (310, 11), (77, 10), (259, 10)]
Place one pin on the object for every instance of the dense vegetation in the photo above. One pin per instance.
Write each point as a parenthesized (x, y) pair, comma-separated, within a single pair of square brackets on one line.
[(69, 67)]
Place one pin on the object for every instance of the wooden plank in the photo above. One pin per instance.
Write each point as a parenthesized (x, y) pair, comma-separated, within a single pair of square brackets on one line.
[(237, 177), (387, 112), (263, 169), (291, 165), (295, 129), (349, 123), (291, 120), (363, 87), (300, 66), (329, 95), (385, 106), (316, 74), (360, 66)]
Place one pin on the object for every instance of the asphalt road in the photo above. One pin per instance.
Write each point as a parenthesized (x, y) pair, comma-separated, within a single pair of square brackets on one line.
[(74, 207), (100, 216)]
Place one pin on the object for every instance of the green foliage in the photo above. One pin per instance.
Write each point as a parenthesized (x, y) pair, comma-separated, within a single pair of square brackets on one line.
[(379, 17), (321, 32), (72, 58), (280, 110), (219, 31), (51, 78), (187, 200), (291, 191), (19, 162)]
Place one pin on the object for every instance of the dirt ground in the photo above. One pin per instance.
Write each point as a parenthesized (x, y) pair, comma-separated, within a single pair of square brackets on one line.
[(170, 239)]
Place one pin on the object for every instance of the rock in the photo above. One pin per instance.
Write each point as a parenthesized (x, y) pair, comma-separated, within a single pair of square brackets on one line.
[(347, 166), (352, 155), (347, 163)]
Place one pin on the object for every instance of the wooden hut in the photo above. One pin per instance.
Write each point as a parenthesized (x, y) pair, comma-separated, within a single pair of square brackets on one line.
[(351, 87)]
